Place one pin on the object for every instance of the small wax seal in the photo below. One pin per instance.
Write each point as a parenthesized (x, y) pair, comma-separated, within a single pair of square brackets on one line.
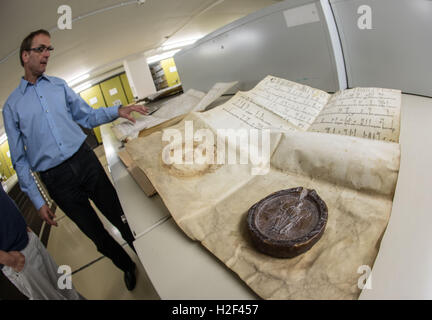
[(288, 222)]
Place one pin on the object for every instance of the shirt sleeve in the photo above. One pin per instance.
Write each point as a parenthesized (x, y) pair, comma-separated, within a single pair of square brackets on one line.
[(85, 115), (19, 158)]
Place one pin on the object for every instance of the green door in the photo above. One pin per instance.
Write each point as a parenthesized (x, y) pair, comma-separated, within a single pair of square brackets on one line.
[(6, 166), (170, 70), (4, 171), (113, 92), (93, 96), (127, 88)]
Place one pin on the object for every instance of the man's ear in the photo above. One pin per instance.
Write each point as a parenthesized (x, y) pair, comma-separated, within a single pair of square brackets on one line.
[(25, 56)]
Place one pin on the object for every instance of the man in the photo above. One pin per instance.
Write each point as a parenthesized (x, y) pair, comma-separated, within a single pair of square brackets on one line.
[(41, 119), (24, 259)]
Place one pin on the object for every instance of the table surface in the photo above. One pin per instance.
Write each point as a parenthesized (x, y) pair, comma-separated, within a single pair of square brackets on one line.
[(403, 267), (180, 268), (142, 212)]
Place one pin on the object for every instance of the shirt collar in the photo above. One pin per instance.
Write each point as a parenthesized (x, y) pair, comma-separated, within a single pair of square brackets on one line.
[(24, 83)]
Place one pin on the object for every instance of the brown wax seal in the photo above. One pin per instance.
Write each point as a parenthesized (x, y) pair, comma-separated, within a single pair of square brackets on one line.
[(288, 222)]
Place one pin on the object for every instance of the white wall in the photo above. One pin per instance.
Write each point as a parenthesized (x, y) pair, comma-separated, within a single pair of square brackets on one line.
[(139, 76)]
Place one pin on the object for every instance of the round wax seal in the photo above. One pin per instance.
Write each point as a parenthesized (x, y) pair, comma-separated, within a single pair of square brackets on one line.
[(288, 222)]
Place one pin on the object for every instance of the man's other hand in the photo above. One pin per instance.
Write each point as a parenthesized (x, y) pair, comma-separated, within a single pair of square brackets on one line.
[(16, 260), (47, 215), (125, 111)]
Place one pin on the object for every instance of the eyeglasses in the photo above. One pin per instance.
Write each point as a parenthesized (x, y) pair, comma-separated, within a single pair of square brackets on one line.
[(41, 49)]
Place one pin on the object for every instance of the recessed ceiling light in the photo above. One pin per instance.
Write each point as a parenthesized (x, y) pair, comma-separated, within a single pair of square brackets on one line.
[(78, 79)]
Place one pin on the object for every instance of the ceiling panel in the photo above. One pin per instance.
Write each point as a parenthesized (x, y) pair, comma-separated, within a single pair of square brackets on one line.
[(101, 41)]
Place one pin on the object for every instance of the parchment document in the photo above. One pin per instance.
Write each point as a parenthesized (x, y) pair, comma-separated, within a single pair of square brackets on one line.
[(192, 100), (214, 93), (127, 129), (294, 102), (372, 113), (356, 177), (179, 105)]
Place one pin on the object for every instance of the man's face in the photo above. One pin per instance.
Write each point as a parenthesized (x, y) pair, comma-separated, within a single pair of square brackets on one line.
[(36, 62)]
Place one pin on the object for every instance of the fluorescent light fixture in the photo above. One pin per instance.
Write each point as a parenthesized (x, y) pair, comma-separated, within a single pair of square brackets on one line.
[(3, 138), (78, 80), (82, 87), (162, 56), (179, 44)]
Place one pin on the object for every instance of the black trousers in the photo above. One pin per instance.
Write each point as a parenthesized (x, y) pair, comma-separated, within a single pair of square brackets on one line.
[(78, 179)]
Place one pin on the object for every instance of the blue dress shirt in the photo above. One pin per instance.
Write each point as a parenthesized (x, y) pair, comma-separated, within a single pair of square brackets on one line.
[(41, 125)]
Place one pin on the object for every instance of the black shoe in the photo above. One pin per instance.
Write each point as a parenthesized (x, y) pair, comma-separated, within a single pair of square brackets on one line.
[(130, 279)]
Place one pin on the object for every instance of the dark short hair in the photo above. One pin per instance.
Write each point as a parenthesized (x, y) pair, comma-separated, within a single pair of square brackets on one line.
[(27, 42)]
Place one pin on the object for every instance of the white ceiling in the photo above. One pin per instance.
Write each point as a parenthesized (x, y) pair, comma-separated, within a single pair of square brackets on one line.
[(104, 32)]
